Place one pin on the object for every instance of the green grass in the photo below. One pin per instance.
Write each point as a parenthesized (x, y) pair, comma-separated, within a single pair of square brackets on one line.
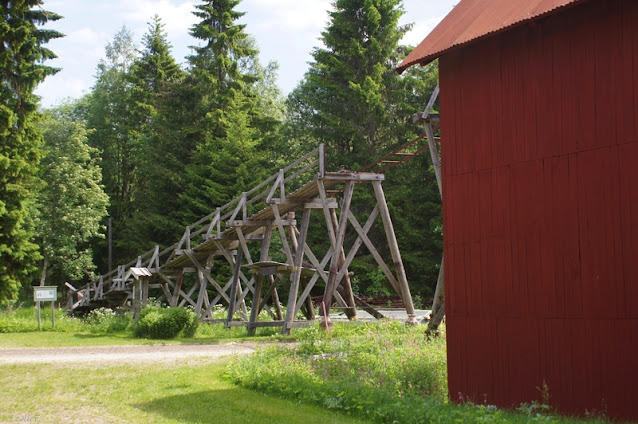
[(193, 393), (385, 372), (19, 329)]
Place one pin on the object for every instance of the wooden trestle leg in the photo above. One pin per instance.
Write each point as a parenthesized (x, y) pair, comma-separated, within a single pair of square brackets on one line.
[(259, 282), (295, 277), (394, 251)]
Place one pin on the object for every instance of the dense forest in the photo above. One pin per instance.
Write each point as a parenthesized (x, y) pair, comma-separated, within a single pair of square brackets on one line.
[(155, 146)]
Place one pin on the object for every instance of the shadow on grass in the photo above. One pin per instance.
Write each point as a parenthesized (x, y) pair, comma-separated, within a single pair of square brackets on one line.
[(234, 405), (90, 336)]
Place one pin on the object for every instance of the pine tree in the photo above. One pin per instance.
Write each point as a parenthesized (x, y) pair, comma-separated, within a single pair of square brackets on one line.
[(22, 52)]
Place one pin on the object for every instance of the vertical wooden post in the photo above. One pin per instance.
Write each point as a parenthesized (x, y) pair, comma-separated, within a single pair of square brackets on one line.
[(331, 285), (394, 250), (351, 310), (322, 160), (178, 287), (144, 290), (293, 234), (39, 316), (438, 307), (53, 315), (296, 274), (233, 287), (275, 300), (259, 282), (203, 282)]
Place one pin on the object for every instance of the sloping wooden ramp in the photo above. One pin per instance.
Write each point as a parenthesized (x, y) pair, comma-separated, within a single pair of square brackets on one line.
[(227, 258)]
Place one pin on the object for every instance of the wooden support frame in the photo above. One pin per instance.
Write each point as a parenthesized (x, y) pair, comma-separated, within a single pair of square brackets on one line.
[(226, 235)]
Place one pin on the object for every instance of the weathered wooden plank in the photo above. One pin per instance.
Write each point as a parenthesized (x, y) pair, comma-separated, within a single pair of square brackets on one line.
[(338, 243), (394, 251), (296, 275)]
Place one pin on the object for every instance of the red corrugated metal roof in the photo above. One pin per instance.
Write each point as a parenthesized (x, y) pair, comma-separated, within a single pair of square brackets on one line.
[(473, 19)]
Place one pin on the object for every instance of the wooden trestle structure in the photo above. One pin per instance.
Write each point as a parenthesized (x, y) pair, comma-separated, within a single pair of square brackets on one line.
[(187, 273)]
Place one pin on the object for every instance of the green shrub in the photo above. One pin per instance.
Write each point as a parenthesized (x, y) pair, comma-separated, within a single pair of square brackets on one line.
[(106, 320), (158, 323)]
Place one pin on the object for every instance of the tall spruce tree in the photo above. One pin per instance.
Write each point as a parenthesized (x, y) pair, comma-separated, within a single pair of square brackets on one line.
[(227, 159), (352, 100), (344, 97), (155, 77), (22, 53)]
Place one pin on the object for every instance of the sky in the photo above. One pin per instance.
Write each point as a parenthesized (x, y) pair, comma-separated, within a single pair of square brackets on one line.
[(286, 31)]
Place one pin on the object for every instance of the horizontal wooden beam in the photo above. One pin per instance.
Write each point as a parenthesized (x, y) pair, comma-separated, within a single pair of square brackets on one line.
[(307, 203), (231, 236), (353, 176), (298, 324), (265, 324), (259, 223)]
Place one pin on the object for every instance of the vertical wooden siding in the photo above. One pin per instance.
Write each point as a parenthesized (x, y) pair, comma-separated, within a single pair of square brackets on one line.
[(540, 164)]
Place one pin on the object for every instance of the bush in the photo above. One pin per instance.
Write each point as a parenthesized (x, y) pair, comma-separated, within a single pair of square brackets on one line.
[(158, 323), (105, 320)]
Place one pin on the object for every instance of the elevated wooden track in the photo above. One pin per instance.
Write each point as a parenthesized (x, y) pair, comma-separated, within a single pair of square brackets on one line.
[(239, 237)]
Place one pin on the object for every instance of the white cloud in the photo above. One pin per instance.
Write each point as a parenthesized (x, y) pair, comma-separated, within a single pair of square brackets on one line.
[(176, 16), (60, 86), (286, 15)]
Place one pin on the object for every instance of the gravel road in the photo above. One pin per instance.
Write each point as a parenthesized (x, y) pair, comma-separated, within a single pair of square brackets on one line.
[(108, 355)]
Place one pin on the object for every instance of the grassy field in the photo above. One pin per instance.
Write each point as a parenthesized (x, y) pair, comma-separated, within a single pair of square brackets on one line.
[(19, 329), (384, 372), (196, 392)]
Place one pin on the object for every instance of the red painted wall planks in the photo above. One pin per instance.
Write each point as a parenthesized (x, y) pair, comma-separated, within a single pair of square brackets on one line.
[(541, 211)]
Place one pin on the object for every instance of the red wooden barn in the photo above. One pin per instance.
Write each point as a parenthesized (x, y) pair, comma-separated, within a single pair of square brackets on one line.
[(539, 127)]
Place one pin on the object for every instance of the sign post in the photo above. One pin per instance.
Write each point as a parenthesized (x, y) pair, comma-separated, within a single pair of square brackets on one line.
[(46, 294)]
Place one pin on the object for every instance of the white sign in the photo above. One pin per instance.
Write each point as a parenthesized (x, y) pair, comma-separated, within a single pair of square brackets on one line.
[(45, 294)]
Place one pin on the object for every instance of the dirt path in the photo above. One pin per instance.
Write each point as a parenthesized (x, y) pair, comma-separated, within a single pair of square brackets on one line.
[(108, 355)]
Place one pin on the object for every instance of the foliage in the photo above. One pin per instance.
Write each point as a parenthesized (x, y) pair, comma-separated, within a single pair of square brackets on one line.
[(385, 372), (159, 323), (228, 154), (22, 54), (25, 320), (377, 286), (353, 100), (110, 121), (157, 150), (106, 320), (343, 99), (366, 368), (71, 202)]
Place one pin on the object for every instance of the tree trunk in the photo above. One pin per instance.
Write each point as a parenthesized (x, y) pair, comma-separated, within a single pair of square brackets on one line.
[(43, 278)]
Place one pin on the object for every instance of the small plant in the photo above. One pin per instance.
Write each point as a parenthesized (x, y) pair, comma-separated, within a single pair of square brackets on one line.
[(418, 301), (106, 320), (377, 286)]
